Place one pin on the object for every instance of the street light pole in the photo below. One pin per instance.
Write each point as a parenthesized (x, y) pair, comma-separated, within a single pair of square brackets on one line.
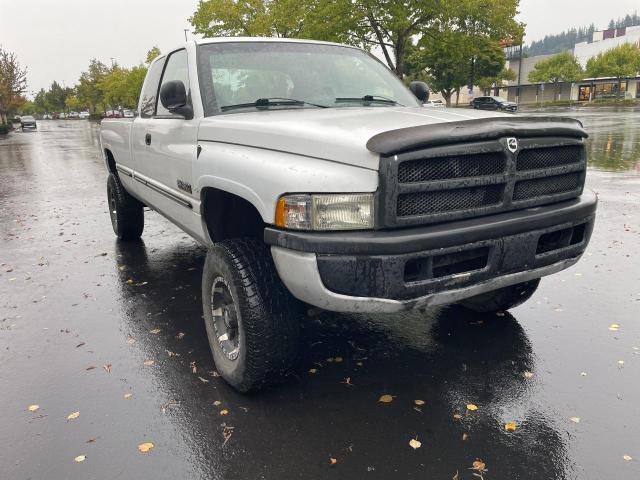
[(519, 73), (185, 33)]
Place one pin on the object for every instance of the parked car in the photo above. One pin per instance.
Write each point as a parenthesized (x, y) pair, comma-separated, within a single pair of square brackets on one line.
[(46, 116), (128, 114), (494, 103), (74, 115), (84, 114), (113, 114), (344, 194), (28, 122), (434, 103)]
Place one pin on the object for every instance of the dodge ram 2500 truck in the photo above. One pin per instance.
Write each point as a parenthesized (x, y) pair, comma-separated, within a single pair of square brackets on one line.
[(311, 171)]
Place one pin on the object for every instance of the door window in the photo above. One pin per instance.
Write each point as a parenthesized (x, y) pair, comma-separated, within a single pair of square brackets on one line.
[(150, 90), (177, 69)]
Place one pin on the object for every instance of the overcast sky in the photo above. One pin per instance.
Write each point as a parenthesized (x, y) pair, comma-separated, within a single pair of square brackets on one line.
[(56, 38)]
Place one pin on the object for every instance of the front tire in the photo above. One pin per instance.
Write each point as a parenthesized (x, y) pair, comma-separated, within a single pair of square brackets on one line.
[(127, 214), (250, 317), (502, 299)]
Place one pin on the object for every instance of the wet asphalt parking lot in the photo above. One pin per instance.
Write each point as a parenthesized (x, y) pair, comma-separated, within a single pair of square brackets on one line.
[(114, 331)]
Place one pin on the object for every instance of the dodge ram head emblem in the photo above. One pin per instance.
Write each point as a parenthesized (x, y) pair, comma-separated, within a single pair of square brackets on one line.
[(512, 144)]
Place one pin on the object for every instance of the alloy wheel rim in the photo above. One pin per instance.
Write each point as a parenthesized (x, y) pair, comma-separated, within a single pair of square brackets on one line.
[(225, 319)]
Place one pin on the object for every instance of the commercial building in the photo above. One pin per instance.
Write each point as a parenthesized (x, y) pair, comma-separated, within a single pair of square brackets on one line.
[(585, 90)]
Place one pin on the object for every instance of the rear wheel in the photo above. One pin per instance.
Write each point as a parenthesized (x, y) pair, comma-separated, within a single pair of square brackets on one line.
[(127, 214), (502, 299), (251, 319)]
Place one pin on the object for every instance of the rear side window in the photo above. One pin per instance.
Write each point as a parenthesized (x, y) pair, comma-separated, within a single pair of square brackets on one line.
[(150, 90), (177, 69)]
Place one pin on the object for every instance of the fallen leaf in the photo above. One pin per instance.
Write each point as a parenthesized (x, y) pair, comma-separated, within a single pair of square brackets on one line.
[(583, 374), (34, 408), (386, 398), (415, 444), (332, 461), (91, 440), (465, 436), (73, 416), (127, 396), (80, 458), (194, 369), (419, 402), (224, 412), (627, 458), (471, 407), (216, 403), (575, 419), (180, 335), (614, 327), (478, 465), (337, 359), (313, 370), (457, 416), (149, 362), (145, 447), (130, 281), (107, 368), (528, 375), (80, 344), (203, 380), (620, 362), (155, 331), (510, 426)]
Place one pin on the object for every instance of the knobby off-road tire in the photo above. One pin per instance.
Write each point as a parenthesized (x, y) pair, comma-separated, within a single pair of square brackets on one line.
[(502, 299), (127, 214), (252, 320)]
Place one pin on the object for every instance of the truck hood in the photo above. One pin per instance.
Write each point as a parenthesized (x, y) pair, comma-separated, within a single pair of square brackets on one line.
[(335, 134)]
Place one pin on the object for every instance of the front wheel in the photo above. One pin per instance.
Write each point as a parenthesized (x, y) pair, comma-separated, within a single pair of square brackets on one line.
[(502, 299), (127, 214), (250, 317)]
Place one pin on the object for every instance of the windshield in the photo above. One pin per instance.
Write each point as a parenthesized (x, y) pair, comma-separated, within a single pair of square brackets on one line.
[(499, 99), (28, 118), (294, 75)]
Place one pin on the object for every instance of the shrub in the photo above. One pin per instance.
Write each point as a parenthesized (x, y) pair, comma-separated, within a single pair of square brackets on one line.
[(4, 128)]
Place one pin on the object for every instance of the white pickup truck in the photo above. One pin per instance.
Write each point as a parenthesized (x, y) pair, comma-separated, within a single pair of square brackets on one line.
[(315, 177)]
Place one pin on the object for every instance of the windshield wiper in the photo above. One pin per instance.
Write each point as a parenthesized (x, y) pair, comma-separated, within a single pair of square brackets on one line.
[(369, 99), (270, 102)]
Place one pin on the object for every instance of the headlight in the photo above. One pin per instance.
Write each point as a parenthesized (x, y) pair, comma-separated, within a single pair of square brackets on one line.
[(352, 211)]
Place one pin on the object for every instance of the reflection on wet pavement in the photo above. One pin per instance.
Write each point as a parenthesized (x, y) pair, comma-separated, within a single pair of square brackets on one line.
[(73, 298)]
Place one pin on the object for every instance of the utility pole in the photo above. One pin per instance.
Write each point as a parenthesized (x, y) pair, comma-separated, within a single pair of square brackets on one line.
[(185, 33), (519, 73)]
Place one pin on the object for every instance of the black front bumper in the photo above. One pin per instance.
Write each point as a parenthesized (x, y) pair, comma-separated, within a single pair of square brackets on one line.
[(413, 262)]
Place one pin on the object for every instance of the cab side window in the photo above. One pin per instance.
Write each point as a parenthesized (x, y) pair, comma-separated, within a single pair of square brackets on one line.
[(149, 94), (176, 69)]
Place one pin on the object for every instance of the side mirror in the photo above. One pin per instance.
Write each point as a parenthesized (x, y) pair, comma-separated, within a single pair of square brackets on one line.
[(420, 90), (173, 96)]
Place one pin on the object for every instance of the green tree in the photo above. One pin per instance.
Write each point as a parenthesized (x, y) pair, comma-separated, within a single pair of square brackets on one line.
[(56, 97), (13, 83), (40, 102), (486, 83), (73, 103), (152, 55), (619, 62), (135, 79), (561, 67), (89, 92)]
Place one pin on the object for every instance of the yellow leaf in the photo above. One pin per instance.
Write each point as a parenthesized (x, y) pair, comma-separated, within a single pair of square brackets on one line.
[(575, 419), (34, 408), (471, 407), (419, 402), (528, 375), (414, 443), (510, 426), (80, 458), (313, 370), (145, 447), (224, 412), (127, 396), (130, 281), (155, 331), (614, 327), (149, 362), (627, 458), (216, 403), (386, 398), (478, 465), (73, 415)]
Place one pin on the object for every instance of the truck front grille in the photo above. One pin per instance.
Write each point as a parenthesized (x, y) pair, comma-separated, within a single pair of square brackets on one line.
[(461, 181)]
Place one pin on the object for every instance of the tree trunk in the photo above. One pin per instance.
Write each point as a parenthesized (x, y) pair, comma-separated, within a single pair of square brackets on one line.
[(447, 96), (619, 89), (400, 53)]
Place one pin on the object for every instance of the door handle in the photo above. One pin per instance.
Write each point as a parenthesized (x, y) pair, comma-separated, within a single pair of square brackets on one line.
[(147, 139)]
